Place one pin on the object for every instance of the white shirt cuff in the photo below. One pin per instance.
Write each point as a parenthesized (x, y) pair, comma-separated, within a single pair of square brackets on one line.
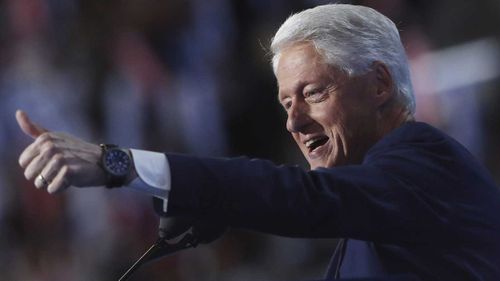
[(153, 173)]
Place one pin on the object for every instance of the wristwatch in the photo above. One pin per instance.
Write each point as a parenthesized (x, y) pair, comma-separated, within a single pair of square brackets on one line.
[(116, 163)]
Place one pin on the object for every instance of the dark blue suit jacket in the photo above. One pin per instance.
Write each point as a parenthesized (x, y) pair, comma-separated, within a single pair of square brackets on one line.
[(419, 204)]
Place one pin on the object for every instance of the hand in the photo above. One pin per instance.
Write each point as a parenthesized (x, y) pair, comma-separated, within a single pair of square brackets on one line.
[(56, 160)]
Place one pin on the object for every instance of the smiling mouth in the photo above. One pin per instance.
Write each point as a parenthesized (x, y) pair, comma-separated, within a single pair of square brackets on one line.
[(313, 145)]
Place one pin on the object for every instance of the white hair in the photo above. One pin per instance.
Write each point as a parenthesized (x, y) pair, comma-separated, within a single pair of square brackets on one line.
[(350, 38)]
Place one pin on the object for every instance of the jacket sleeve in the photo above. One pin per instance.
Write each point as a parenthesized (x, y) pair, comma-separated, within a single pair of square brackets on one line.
[(402, 195)]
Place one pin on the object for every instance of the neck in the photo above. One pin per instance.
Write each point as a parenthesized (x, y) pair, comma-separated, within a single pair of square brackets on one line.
[(393, 118)]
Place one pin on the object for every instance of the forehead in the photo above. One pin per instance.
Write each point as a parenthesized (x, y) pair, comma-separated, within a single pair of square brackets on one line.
[(296, 57), (299, 65)]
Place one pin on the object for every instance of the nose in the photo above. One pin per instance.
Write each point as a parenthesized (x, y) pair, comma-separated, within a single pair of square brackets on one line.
[(298, 117)]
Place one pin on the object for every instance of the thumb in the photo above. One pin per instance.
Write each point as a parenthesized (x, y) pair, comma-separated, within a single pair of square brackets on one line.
[(28, 127)]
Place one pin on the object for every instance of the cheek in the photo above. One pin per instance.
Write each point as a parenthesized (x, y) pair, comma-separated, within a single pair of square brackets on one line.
[(336, 125), (301, 146), (330, 117), (296, 138)]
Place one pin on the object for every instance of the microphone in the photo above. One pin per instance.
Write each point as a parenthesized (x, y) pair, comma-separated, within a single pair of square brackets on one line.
[(204, 229), (191, 231), (173, 227)]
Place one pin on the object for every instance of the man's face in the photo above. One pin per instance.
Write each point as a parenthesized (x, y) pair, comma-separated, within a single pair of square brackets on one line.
[(333, 118)]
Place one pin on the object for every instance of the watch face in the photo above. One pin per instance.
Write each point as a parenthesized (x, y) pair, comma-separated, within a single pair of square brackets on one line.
[(117, 162)]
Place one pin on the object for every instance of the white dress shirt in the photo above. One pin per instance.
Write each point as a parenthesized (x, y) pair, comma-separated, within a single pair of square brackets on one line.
[(153, 173)]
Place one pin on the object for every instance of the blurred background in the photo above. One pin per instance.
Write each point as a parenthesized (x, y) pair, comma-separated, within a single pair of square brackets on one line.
[(193, 76)]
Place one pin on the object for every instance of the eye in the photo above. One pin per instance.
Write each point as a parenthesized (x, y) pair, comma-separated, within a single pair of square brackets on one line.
[(310, 93), (287, 103), (316, 95)]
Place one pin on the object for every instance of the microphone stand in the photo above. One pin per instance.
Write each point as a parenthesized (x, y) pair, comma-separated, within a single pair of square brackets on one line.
[(159, 249)]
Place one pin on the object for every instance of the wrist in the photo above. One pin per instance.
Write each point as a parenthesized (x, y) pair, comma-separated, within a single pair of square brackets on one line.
[(132, 175)]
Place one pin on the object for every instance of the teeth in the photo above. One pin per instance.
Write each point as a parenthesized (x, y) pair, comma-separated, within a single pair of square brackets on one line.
[(310, 142)]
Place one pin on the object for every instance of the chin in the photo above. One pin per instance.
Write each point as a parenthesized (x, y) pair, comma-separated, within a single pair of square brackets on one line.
[(317, 165), (325, 164)]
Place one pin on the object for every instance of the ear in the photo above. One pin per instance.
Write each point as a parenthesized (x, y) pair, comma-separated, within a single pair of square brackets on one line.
[(384, 83)]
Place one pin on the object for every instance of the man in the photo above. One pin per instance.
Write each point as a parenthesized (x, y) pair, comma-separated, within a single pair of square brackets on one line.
[(408, 201)]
